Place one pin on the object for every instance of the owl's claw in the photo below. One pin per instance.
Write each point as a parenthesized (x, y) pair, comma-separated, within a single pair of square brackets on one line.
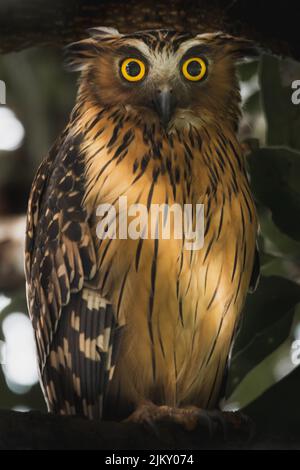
[(148, 415), (213, 423)]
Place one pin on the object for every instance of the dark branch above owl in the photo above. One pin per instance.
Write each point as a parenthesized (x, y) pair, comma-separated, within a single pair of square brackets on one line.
[(28, 23)]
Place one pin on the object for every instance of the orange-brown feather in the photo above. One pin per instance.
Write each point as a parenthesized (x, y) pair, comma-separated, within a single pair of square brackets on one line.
[(175, 354)]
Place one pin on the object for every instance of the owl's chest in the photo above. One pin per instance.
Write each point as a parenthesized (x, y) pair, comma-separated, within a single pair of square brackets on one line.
[(179, 308), (162, 211), (179, 305), (168, 250)]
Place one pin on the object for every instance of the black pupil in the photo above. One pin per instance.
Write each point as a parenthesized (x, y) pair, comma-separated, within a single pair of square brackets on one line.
[(133, 68), (194, 68)]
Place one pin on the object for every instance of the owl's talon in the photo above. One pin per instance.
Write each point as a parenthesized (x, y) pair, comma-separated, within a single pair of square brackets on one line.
[(212, 422), (146, 414)]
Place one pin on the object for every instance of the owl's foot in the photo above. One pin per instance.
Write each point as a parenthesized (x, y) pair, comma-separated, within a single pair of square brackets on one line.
[(211, 422)]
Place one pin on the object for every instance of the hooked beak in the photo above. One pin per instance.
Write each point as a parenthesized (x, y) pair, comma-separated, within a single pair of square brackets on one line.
[(164, 104)]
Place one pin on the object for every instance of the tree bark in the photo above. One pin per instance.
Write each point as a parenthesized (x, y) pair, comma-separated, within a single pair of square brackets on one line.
[(27, 23), (35, 431)]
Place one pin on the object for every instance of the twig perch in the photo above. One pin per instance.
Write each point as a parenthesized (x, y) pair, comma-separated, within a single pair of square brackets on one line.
[(36, 431)]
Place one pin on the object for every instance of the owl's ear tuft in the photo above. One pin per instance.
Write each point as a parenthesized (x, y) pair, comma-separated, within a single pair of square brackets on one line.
[(103, 32), (78, 55), (239, 48)]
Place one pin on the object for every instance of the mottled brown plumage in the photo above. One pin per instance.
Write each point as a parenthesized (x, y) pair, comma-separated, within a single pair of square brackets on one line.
[(118, 322)]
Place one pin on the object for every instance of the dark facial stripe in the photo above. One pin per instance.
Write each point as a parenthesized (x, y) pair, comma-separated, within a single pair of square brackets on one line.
[(131, 51), (196, 51)]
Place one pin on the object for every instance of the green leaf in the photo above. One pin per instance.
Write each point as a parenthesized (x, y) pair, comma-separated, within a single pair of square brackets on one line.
[(277, 410), (274, 298), (271, 318), (274, 266), (246, 70), (275, 175), (275, 242), (262, 348), (252, 104)]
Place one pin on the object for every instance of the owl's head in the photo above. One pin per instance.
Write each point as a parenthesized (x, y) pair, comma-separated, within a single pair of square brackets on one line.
[(172, 77)]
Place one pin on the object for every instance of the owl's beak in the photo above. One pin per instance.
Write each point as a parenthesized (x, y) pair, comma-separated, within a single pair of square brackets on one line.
[(164, 104)]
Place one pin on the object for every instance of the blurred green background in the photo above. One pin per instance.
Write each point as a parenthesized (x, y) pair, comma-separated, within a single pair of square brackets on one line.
[(40, 96)]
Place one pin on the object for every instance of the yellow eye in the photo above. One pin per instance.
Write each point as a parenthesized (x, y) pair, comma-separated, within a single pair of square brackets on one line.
[(194, 69), (133, 70)]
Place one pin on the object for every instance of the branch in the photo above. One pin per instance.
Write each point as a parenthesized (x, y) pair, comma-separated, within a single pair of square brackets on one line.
[(27, 23), (34, 430)]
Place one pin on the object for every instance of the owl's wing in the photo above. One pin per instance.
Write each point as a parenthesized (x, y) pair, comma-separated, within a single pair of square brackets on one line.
[(75, 329)]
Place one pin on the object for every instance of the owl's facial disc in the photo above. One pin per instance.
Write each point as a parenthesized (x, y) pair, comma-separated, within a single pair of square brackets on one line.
[(161, 81), (165, 75)]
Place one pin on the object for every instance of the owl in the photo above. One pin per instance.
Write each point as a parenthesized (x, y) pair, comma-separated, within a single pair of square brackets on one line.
[(142, 327)]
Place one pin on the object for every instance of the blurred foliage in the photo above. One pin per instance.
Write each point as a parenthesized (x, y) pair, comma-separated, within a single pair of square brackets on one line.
[(42, 94), (285, 394), (280, 169), (14, 395), (282, 115), (263, 352)]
